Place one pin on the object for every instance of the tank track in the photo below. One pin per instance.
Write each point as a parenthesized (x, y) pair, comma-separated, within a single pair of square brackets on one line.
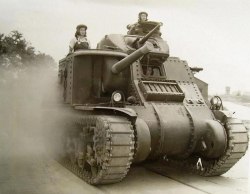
[(236, 149), (115, 138), (237, 145)]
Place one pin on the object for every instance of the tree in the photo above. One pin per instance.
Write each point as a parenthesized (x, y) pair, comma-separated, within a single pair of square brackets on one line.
[(16, 52)]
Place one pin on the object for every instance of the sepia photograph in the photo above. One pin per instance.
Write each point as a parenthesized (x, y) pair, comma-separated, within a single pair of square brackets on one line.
[(126, 96)]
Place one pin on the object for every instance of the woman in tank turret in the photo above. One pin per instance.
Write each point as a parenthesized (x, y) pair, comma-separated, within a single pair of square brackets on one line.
[(80, 40), (135, 28)]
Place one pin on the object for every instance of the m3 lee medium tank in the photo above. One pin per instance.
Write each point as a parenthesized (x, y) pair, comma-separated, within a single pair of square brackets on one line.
[(131, 102)]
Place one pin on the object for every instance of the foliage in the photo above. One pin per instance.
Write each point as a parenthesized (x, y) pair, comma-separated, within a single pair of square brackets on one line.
[(17, 54)]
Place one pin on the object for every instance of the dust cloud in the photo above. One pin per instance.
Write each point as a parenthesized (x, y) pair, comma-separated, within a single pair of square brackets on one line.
[(28, 105), (26, 96)]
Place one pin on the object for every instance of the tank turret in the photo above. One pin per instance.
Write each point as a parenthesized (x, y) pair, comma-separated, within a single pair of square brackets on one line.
[(149, 49), (142, 50)]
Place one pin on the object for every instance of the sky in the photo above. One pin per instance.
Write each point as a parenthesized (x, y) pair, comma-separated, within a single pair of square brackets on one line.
[(214, 35)]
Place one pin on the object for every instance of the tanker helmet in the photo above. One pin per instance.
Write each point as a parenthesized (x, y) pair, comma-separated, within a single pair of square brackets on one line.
[(143, 12), (139, 15)]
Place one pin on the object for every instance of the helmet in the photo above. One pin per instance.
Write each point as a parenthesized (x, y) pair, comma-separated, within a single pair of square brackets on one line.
[(143, 12), (81, 26)]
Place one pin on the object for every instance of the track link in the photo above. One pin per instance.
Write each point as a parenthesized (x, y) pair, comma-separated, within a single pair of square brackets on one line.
[(113, 149)]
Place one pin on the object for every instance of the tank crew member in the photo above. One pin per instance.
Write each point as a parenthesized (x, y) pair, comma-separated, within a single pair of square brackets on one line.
[(149, 71), (142, 17), (80, 40), (143, 26)]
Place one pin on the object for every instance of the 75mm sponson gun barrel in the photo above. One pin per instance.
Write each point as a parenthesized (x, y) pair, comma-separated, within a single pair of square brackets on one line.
[(122, 64)]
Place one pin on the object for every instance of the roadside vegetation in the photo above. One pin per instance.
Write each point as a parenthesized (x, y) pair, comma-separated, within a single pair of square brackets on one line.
[(18, 56)]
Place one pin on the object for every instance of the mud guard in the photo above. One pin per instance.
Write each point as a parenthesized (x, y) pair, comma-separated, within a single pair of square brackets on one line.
[(127, 112)]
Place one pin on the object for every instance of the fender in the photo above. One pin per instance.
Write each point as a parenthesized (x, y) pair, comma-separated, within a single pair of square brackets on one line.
[(127, 112)]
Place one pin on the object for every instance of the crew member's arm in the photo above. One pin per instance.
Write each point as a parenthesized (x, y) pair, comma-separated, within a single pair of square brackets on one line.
[(71, 45), (89, 44)]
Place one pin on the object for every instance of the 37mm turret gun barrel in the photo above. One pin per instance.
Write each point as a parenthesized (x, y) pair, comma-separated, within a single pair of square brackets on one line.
[(147, 36), (122, 64)]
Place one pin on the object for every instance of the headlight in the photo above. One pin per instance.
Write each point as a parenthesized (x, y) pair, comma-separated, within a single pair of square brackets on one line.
[(117, 97), (216, 103)]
